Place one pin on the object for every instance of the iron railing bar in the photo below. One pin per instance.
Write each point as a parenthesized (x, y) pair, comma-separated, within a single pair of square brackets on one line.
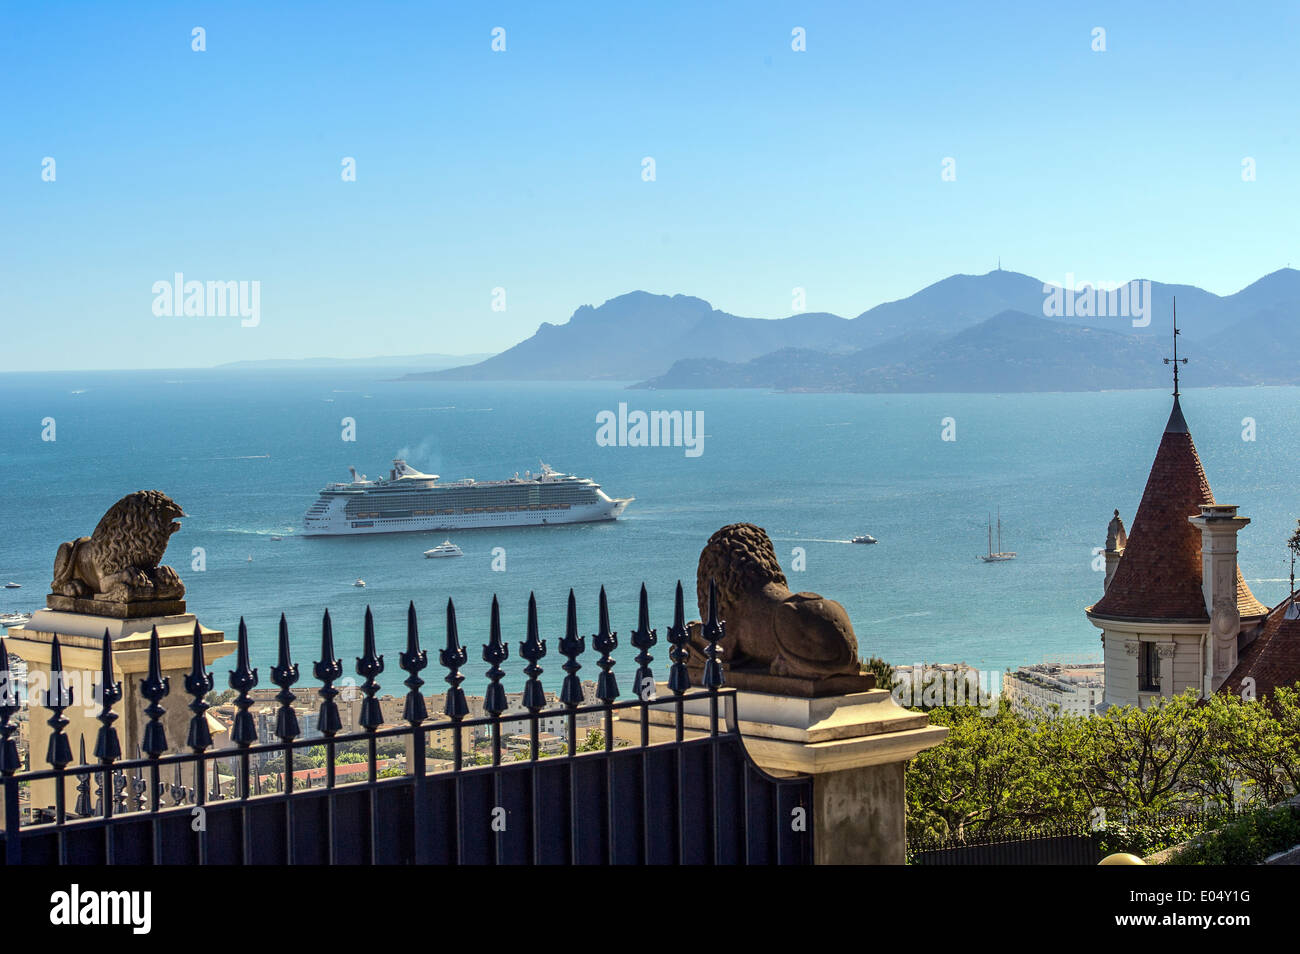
[(713, 794), (645, 799), (182, 758), (13, 814), (778, 820), (681, 802), (535, 830), (458, 781), (106, 811), (287, 790), (574, 840), (744, 814), (329, 802), (335, 741), (201, 802), (373, 802), (419, 823)]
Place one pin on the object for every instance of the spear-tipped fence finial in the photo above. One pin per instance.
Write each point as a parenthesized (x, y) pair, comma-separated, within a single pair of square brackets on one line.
[(108, 748), (644, 638), (155, 688), (82, 806), (715, 631), (57, 698), (571, 647), (679, 680), (605, 641), (327, 669), (495, 652), (369, 665), (9, 707), (243, 678), (413, 661), (284, 674), (533, 649), (452, 658), (198, 684)]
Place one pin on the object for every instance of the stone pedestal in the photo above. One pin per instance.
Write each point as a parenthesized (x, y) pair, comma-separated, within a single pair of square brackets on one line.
[(81, 644), (854, 746)]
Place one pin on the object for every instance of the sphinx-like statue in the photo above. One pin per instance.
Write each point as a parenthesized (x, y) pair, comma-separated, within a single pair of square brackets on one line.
[(799, 642), (116, 570)]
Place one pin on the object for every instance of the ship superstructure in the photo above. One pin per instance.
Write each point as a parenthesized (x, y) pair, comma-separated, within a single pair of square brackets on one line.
[(408, 500)]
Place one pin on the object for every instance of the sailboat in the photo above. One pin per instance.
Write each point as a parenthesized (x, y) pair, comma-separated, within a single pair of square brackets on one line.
[(1000, 555)]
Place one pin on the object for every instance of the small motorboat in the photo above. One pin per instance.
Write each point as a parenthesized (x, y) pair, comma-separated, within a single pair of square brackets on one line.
[(359, 583), (444, 549), (250, 558), (11, 585), (274, 537), (864, 538), (14, 619)]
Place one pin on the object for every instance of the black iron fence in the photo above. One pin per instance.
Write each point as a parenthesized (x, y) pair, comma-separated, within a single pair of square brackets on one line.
[(694, 797), (1063, 845), (1075, 841)]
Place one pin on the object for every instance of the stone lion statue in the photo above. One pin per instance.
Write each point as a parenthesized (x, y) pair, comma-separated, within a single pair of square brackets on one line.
[(769, 628), (119, 561)]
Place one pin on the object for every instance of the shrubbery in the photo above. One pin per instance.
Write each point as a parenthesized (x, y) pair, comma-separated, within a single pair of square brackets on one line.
[(1134, 769), (1246, 840)]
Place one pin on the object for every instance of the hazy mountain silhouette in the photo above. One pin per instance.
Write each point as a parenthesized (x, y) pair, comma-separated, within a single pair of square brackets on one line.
[(1009, 352), (640, 334), (667, 341)]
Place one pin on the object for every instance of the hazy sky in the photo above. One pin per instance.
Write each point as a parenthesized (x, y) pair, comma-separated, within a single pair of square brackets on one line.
[(522, 169)]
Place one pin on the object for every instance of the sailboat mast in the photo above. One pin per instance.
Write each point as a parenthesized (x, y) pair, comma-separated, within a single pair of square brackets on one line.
[(990, 534), (999, 529)]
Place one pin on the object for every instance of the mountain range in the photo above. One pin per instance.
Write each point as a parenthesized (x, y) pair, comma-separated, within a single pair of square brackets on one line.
[(988, 332)]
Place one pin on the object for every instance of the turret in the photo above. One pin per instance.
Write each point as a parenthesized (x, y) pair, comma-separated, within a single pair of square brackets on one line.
[(1116, 541)]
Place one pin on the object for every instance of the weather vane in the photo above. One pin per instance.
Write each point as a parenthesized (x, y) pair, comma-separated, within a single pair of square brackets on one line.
[(1175, 360)]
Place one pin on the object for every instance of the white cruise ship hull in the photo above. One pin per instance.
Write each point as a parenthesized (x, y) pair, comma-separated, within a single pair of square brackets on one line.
[(336, 523), (408, 501)]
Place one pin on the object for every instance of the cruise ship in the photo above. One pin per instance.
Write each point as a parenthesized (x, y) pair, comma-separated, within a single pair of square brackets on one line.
[(408, 500)]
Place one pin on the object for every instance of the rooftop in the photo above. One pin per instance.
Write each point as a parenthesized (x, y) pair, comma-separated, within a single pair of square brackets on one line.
[(1159, 575), (1273, 659)]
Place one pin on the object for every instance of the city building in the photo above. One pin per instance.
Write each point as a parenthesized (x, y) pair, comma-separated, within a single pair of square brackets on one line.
[(1053, 689)]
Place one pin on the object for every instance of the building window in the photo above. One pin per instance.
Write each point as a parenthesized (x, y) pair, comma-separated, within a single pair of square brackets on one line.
[(1149, 668)]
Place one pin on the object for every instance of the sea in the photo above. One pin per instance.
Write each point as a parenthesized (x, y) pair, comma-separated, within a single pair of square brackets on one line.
[(245, 453)]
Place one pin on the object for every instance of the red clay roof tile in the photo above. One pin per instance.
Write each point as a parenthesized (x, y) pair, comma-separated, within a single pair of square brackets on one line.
[(1159, 575), (1272, 660)]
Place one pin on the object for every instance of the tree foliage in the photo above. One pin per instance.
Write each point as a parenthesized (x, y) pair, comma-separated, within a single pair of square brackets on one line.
[(1005, 772)]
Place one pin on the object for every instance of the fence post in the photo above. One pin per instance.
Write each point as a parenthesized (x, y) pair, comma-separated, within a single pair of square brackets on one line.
[(9, 761), (284, 674), (413, 661)]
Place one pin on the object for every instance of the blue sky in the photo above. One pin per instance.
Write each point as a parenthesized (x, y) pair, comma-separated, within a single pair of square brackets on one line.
[(522, 169)]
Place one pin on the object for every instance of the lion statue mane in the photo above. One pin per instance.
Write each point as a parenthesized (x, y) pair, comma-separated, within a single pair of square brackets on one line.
[(769, 628), (119, 562)]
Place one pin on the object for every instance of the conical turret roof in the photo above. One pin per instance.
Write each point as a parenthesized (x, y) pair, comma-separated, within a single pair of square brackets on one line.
[(1159, 575)]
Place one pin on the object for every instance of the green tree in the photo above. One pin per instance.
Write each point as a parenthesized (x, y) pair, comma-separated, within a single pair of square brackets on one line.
[(883, 671), (1142, 759)]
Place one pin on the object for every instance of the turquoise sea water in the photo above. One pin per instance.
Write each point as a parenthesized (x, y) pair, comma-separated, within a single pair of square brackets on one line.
[(245, 453)]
